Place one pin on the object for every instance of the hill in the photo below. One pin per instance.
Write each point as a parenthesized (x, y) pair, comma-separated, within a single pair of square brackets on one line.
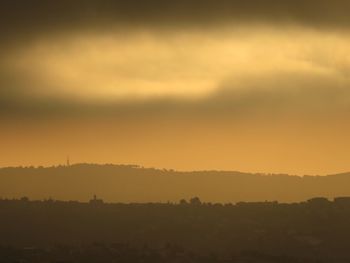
[(130, 183), (312, 231)]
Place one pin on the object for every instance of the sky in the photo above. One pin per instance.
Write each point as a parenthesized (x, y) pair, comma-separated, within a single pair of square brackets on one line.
[(254, 86)]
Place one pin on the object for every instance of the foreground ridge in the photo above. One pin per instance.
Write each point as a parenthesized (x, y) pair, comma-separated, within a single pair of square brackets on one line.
[(189, 231)]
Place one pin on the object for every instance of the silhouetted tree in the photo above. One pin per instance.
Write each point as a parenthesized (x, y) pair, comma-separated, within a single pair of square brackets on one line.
[(183, 202), (195, 201)]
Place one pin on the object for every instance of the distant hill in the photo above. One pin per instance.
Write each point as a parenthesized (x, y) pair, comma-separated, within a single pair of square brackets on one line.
[(129, 183)]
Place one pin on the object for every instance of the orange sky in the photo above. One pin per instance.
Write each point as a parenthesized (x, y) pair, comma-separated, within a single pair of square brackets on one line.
[(263, 89)]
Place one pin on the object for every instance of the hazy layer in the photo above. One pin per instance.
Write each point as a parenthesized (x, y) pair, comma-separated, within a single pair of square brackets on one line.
[(187, 85)]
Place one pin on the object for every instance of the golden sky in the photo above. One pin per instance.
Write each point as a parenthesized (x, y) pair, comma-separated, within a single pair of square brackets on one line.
[(261, 86)]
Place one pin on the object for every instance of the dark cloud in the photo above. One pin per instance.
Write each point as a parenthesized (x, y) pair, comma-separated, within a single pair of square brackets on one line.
[(26, 18), (22, 19)]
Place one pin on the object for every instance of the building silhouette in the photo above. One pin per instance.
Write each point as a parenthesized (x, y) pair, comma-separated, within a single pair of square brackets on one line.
[(96, 201)]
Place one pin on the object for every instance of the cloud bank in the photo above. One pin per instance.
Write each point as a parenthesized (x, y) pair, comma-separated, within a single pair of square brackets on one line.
[(19, 16)]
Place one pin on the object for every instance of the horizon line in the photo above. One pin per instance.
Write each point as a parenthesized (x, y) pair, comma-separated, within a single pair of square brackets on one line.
[(136, 166)]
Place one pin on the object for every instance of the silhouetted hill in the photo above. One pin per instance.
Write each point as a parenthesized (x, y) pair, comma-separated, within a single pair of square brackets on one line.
[(129, 183), (312, 231)]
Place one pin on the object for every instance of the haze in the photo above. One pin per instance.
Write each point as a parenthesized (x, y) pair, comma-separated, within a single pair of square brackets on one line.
[(191, 85)]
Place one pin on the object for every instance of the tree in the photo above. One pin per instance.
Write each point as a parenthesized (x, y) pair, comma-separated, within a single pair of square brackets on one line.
[(183, 202), (195, 201)]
